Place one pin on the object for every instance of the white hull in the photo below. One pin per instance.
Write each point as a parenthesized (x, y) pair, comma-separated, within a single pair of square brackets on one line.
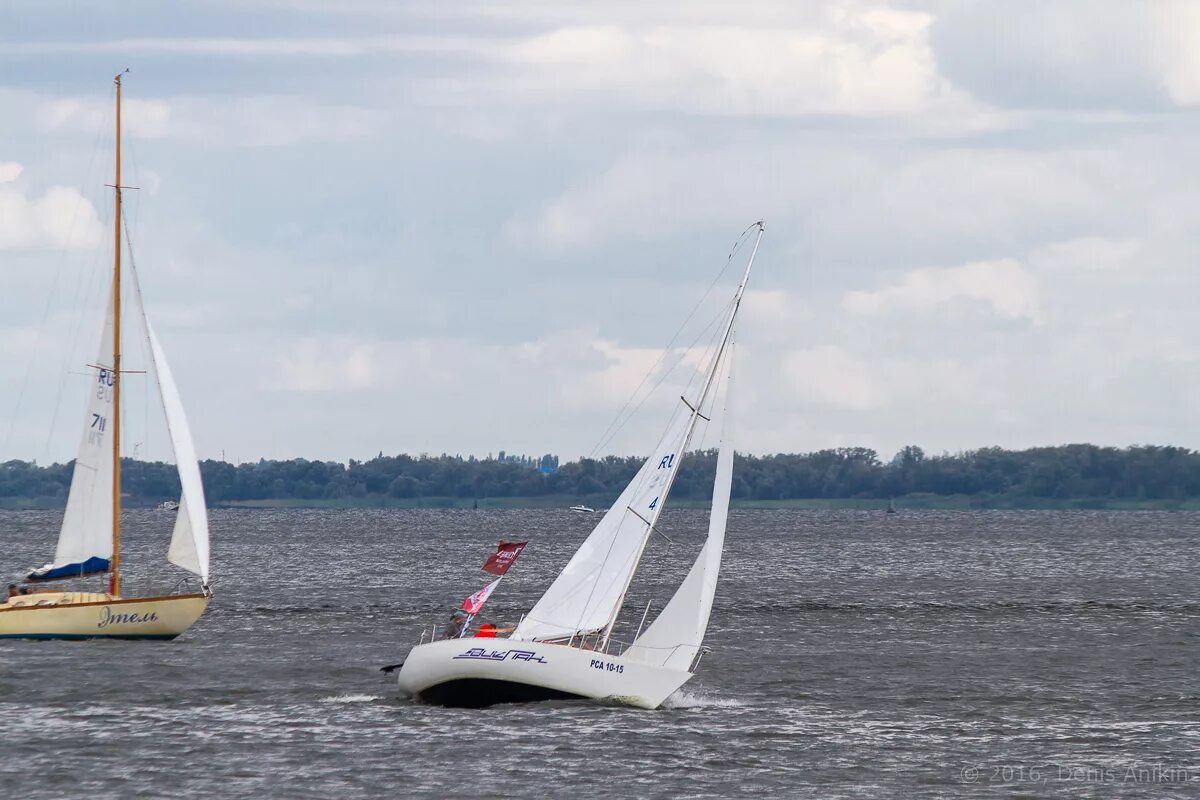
[(77, 615), (476, 672)]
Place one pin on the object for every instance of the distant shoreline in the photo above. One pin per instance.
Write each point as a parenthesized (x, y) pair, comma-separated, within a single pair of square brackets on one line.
[(903, 503), (1073, 476)]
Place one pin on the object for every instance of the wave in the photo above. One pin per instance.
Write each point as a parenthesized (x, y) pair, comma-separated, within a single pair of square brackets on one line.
[(1051, 607), (351, 698), (683, 700)]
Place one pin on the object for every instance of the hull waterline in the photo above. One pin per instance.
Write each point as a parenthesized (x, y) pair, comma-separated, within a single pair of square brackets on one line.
[(475, 673), (77, 615)]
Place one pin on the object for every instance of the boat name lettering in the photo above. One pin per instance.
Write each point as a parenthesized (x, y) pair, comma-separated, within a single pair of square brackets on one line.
[(667, 461), (607, 666), (107, 617), (485, 654)]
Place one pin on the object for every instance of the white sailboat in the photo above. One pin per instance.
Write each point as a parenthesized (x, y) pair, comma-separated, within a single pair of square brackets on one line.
[(89, 542), (563, 648)]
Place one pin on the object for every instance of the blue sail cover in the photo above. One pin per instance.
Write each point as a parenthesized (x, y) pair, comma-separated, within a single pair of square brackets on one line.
[(55, 572)]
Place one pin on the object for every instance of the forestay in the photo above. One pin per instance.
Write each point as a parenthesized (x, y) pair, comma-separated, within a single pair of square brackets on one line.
[(674, 638)]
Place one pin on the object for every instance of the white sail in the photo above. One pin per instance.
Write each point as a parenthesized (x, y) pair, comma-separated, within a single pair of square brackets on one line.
[(587, 592), (87, 524), (189, 541), (674, 638)]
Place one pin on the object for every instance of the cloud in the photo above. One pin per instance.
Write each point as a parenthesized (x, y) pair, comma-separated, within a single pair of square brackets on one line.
[(830, 376), (248, 47), (1178, 23), (843, 195), (1005, 286), (848, 58), (9, 171), (1061, 56), (61, 218), (773, 316), (968, 220), (852, 60), (625, 374), (337, 365), (254, 121), (1087, 254)]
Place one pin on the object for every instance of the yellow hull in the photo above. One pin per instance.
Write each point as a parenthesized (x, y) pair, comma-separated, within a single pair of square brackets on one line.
[(89, 615)]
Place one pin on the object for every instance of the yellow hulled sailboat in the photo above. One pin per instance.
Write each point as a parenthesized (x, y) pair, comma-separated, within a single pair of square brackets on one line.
[(89, 541)]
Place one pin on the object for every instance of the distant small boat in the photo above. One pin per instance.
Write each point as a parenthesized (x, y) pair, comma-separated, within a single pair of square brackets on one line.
[(582, 510), (168, 505), (891, 508)]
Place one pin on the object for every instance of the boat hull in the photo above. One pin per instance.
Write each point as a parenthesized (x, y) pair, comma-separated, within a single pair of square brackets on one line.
[(79, 615), (475, 673)]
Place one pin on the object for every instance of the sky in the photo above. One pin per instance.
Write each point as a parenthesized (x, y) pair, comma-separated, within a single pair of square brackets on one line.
[(376, 225)]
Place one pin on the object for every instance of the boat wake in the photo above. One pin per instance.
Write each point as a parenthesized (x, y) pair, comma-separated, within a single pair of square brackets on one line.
[(684, 700), (351, 698)]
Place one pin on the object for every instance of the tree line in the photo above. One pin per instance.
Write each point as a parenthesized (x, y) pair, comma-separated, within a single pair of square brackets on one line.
[(1062, 472)]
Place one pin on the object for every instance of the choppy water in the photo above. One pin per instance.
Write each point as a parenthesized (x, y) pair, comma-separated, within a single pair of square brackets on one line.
[(934, 654)]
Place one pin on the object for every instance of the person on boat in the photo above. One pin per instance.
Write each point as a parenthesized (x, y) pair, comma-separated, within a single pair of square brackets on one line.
[(13, 591), (490, 631), (458, 621)]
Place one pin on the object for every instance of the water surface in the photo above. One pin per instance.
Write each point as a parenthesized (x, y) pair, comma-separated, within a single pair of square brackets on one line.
[(855, 654)]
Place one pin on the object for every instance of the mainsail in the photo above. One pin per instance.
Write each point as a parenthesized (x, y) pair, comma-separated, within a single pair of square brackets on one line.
[(587, 592), (85, 539)]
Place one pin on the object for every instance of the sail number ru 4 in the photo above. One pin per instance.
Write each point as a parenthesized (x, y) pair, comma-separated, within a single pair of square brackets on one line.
[(607, 666), (107, 617), (667, 462)]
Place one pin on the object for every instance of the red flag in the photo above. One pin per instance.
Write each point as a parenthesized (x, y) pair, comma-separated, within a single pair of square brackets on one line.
[(506, 553), (475, 602)]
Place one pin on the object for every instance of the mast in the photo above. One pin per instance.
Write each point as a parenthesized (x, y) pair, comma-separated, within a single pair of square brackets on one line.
[(114, 581), (708, 382)]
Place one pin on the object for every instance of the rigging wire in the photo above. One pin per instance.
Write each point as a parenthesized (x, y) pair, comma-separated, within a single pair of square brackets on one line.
[(681, 354), (617, 424), (59, 263), (86, 290)]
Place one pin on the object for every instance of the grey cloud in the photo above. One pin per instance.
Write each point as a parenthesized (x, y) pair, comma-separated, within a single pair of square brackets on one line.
[(1075, 54)]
